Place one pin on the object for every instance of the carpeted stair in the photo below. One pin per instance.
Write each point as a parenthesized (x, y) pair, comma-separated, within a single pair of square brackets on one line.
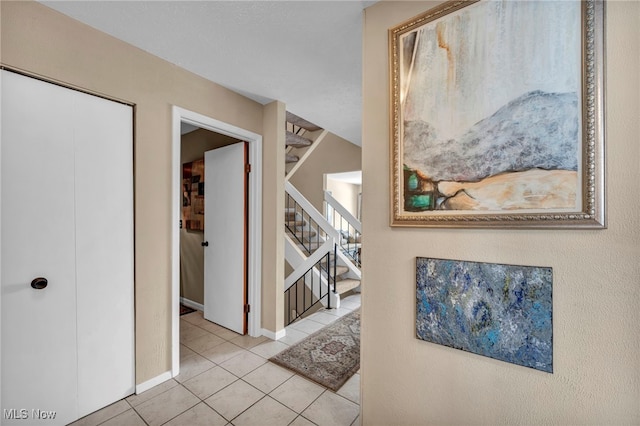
[(301, 138)]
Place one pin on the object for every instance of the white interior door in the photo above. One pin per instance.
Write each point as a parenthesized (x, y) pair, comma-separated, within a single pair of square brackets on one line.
[(67, 216), (225, 234), (103, 133), (39, 357)]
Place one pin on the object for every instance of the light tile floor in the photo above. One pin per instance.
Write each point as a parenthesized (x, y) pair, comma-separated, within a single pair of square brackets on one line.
[(226, 379)]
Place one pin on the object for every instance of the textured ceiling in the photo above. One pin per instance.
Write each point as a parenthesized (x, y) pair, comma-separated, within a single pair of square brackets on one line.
[(307, 54)]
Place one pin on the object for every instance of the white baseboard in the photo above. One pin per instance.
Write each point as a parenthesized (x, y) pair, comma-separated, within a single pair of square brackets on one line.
[(192, 304), (153, 382), (274, 336)]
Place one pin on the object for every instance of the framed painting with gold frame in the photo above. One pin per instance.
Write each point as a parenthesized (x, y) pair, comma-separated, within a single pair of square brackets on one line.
[(497, 115)]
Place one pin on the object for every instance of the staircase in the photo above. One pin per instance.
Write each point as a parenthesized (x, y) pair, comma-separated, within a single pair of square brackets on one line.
[(324, 264), (349, 228), (322, 269), (308, 241), (302, 138)]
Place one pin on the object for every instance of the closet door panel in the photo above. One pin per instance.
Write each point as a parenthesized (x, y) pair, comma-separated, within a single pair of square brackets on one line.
[(104, 238), (39, 361)]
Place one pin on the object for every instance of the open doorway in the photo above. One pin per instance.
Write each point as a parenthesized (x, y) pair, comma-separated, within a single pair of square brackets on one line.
[(223, 135), (346, 188), (195, 141), (343, 210)]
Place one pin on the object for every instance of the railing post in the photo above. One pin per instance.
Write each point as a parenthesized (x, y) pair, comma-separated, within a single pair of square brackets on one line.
[(335, 269), (329, 280)]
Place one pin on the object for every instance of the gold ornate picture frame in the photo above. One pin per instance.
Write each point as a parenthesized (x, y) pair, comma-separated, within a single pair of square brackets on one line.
[(497, 116)]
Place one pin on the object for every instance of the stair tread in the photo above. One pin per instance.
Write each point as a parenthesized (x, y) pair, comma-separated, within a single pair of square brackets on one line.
[(312, 246), (302, 236), (305, 233), (291, 223), (290, 158), (291, 212), (315, 243), (340, 269), (297, 141), (344, 286), (291, 216), (290, 228), (301, 122)]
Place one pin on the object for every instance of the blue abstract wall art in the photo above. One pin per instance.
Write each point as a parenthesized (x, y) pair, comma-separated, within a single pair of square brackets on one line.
[(499, 311)]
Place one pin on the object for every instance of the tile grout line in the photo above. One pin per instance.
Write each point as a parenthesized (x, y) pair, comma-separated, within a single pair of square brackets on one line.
[(245, 382), (312, 402), (140, 415), (181, 413), (266, 395), (249, 372), (300, 415), (246, 409), (202, 400), (106, 420), (203, 356)]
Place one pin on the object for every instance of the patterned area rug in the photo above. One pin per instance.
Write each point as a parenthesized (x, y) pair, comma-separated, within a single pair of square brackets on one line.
[(329, 356)]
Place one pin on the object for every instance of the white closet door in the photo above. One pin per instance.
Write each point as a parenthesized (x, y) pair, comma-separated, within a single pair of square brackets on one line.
[(67, 215), (104, 246), (39, 360)]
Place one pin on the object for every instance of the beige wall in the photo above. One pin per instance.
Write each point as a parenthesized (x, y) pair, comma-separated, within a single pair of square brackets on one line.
[(194, 145), (596, 288), (42, 41), (273, 218), (333, 155), (345, 193)]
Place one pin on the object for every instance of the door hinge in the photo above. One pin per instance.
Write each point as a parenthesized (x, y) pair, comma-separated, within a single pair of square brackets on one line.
[(247, 168), (247, 309)]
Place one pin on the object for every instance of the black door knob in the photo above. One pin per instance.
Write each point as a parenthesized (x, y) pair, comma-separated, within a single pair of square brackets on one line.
[(205, 244), (39, 283)]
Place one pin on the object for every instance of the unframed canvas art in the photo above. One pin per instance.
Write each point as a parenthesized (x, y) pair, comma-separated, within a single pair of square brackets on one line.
[(499, 311), (193, 195)]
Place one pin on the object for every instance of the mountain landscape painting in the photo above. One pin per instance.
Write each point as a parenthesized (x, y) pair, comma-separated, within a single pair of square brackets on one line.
[(490, 109)]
